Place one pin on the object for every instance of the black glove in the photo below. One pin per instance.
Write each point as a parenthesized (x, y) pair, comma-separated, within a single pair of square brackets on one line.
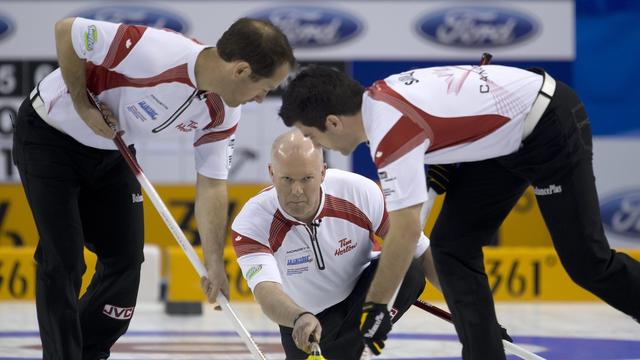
[(439, 177), (505, 335), (375, 324)]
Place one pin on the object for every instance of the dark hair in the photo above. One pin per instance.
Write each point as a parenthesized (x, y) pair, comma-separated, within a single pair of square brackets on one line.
[(319, 91), (260, 43)]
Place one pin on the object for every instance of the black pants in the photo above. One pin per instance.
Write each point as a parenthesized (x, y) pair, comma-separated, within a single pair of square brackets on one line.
[(340, 323), (557, 160), (79, 196)]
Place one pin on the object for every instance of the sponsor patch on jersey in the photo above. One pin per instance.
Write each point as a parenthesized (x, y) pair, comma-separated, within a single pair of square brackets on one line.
[(253, 271), (231, 145), (389, 185), (344, 246), (147, 108), (90, 37), (299, 263)]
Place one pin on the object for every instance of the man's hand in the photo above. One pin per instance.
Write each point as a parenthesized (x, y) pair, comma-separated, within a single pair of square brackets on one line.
[(305, 328), (439, 177), (102, 121), (375, 324), (215, 281)]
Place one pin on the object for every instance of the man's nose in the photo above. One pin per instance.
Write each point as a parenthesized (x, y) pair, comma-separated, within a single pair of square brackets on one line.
[(296, 188)]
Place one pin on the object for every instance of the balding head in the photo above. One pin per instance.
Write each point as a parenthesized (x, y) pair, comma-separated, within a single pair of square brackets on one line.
[(297, 169), (293, 144)]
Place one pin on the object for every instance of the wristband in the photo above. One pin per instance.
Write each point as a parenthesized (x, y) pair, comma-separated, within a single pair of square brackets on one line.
[(301, 315)]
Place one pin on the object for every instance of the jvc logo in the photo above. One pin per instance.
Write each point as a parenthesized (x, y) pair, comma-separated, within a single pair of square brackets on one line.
[(118, 313), (621, 213)]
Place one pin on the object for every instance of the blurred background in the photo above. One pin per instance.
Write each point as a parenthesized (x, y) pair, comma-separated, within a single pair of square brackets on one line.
[(593, 45)]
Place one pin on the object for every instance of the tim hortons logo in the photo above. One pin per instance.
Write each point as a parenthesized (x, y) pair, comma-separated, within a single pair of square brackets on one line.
[(118, 313), (346, 245)]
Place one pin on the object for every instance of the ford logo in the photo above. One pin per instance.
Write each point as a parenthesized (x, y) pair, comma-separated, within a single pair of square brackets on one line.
[(312, 26), (137, 15), (476, 27), (621, 213), (6, 26)]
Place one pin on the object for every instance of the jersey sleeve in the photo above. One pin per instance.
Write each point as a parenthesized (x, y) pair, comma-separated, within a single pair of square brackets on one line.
[(250, 239), (379, 214), (259, 267), (397, 148), (403, 180), (214, 147), (104, 43)]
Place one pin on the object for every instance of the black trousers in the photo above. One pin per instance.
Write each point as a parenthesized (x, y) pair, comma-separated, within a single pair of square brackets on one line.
[(556, 158), (340, 323), (79, 196)]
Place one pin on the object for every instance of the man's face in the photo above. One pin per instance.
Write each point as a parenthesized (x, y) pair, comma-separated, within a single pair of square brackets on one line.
[(329, 139), (245, 89), (297, 181)]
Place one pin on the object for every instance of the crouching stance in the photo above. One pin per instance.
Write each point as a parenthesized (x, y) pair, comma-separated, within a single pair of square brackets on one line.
[(307, 247)]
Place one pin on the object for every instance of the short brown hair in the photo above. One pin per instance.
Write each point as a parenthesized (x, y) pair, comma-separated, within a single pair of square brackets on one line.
[(317, 92), (260, 43)]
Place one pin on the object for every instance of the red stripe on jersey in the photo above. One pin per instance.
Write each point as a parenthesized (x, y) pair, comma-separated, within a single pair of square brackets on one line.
[(280, 226), (403, 137), (216, 110), (100, 79), (383, 229), (244, 245), (443, 132), (127, 36), (343, 209), (215, 136)]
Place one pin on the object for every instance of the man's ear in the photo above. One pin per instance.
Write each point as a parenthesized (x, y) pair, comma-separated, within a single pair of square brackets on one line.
[(241, 70), (324, 171), (333, 122), (270, 172)]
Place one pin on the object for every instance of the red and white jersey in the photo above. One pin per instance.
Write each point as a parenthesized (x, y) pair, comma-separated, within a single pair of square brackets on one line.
[(146, 76), (443, 115), (318, 264)]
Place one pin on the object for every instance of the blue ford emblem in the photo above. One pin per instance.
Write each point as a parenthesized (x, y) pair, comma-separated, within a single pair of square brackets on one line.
[(312, 26), (477, 26), (137, 15), (6, 26), (621, 213)]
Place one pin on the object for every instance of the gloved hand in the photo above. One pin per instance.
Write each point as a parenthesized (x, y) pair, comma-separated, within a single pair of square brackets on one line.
[(439, 177), (375, 324)]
